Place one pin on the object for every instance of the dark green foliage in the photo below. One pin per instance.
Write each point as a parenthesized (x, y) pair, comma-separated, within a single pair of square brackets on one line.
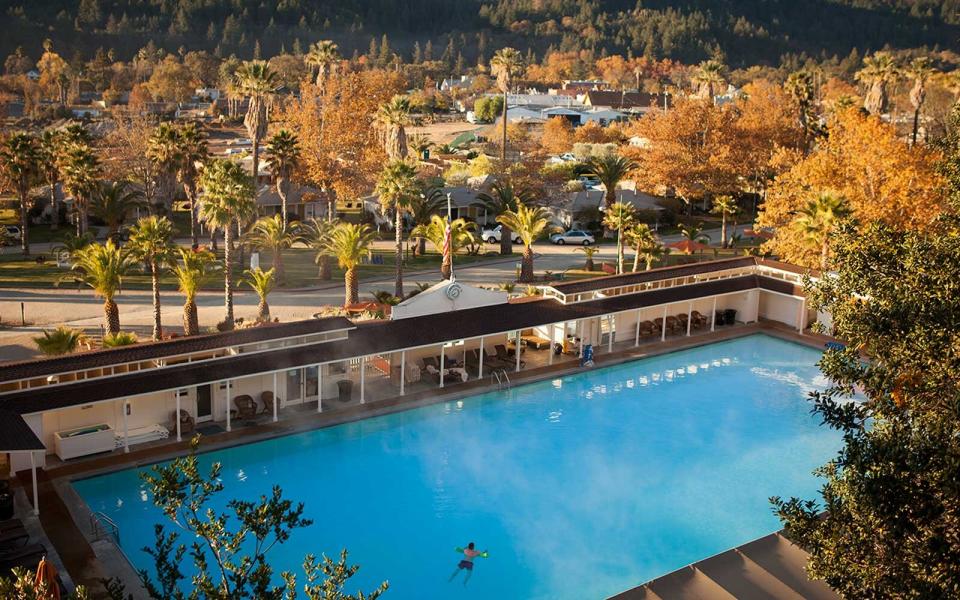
[(890, 522)]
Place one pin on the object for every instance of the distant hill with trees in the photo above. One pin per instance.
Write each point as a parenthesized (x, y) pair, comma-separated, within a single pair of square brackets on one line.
[(742, 32)]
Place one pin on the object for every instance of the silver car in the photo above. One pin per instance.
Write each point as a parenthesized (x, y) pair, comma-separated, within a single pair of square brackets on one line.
[(574, 236)]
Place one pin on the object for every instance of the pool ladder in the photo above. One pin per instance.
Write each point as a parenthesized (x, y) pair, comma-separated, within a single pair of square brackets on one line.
[(102, 525), (503, 380)]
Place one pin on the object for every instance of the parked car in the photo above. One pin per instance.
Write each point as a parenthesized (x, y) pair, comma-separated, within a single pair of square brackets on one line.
[(588, 181), (492, 236), (11, 235), (574, 236)]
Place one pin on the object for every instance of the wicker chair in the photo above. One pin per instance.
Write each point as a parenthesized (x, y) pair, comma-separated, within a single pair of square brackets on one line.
[(246, 407)]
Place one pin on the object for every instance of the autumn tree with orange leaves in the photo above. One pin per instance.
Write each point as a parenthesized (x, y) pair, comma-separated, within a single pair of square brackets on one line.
[(768, 134), (863, 161), (342, 150), (557, 135)]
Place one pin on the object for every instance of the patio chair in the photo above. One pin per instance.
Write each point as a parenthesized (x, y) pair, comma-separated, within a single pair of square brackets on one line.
[(658, 323), (674, 325), (187, 424), (267, 399), (699, 319), (431, 367), (246, 407), (12, 539), (491, 361), (647, 329), (507, 357)]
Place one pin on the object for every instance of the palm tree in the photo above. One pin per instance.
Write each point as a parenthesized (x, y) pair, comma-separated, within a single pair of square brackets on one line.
[(640, 236), (393, 117), (709, 78), (724, 206), (461, 234), (271, 233), (610, 169), (227, 194), (151, 240), (194, 269), (48, 153), (62, 340), (121, 338), (323, 55), (350, 242), (502, 197), (919, 70), (505, 65), (102, 267), (879, 71), (530, 222), (818, 219), (262, 282), (651, 252), (163, 149), (422, 207), (258, 82), (693, 234), (397, 187), (19, 165), (317, 235), (191, 154), (419, 143), (114, 202), (589, 252), (800, 87), (283, 150), (617, 218), (80, 169)]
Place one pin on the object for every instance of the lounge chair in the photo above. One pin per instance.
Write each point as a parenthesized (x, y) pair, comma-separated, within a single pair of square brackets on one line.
[(507, 357), (267, 399), (491, 361), (534, 341), (246, 407)]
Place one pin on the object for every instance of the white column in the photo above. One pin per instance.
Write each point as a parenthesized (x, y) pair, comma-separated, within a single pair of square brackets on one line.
[(363, 378), (553, 340), (610, 323), (713, 315), (319, 388), (663, 330), (126, 429), (442, 368), (802, 317), (228, 405), (578, 330), (516, 349), (176, 395), (636, 336), (276, 398), (689, 317), (482, 357), (33, 477), (403, 370)]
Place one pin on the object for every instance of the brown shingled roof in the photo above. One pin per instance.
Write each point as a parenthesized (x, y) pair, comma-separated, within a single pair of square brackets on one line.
[(609, 281)]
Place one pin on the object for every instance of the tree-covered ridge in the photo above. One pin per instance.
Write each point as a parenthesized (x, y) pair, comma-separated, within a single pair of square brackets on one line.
[(747, 31)]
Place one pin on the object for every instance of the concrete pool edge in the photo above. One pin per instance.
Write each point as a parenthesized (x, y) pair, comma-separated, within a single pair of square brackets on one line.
[(66, 474)]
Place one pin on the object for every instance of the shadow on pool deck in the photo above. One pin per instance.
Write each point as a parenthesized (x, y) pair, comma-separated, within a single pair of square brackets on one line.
[(78, 556)]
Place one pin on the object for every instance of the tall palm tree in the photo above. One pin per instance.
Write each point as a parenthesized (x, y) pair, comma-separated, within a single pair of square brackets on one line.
[(589, 252), (271, 233), (724, 206), (709, 78), (461, 234), (393, 117), (879, 71), (919, 70), (48, 153), (619, 217), (262, 282), (80, 168), (397, 187), (316, 234), (102, 267), (283, 151), (194, 269), (530, 222), (650, 252), (610, 169), (163, 149), (506, 64), (818, 219), (502, 197), (324, 56), (151, 240), (800, 87), (350, 242), (114, 202), (20, 165), (59, 341), (191, 154), (258, 82), (227, 193), (422, 207)]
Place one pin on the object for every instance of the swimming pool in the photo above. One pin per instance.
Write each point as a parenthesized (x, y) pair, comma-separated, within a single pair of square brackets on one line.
[(580, 487)]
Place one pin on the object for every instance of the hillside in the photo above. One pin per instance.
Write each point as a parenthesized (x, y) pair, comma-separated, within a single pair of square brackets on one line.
[(746, 31)]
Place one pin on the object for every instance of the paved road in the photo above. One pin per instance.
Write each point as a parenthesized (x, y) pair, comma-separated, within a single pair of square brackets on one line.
[(45, 308)]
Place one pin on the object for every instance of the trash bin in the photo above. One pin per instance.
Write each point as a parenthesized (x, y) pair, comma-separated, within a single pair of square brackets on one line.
[(6, 506), (345, 389), (718, 318), (730, 316)]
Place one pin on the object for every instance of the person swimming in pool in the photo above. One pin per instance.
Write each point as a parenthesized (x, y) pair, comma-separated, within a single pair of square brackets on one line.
[(466, 564)]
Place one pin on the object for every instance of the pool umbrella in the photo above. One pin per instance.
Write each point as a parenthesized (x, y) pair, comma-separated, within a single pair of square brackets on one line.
[(688, 246), (47, 575)]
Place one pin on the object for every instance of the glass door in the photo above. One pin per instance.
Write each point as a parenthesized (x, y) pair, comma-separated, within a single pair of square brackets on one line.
[(204, 403), (294, 387), (310, 382)]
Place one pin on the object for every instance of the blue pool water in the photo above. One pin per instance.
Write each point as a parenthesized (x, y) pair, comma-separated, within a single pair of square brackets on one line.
[(580, 487)]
